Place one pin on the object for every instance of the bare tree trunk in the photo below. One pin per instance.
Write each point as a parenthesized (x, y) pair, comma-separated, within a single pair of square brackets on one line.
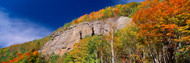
[(143, 55), (101, 54), (96, 56), (113, 30), (164, 54), (151, 52), (112, 48)]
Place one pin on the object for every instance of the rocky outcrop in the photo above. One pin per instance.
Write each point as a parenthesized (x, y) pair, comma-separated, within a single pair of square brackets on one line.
[(63, 42)]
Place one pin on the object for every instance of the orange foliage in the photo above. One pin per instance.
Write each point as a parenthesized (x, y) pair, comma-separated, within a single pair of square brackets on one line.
[(92, 15), (35, 52), (188, 21), (164, 22), (20, 56), (165, 15), (14, 60), (82, 17), (101, 13)]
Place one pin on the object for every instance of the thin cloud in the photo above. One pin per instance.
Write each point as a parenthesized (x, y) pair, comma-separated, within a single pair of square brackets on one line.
[(19, 30), (126, 1)]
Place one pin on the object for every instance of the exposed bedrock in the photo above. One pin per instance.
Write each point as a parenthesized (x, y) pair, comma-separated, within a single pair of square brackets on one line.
[(62, 42)]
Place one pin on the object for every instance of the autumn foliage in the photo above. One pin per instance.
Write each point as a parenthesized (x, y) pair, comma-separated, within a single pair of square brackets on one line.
[(27, 56), (22, 53), (118, 10), (164, 23), (159, 33)]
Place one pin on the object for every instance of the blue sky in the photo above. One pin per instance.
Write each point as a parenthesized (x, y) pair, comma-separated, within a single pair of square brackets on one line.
[(26, 20)]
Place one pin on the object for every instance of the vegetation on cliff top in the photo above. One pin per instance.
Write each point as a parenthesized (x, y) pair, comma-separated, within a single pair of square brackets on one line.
[(160, 33), (128, 10), (27, 52)]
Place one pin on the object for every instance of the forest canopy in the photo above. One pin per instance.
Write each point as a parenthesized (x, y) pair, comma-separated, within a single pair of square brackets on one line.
[(158, 33)]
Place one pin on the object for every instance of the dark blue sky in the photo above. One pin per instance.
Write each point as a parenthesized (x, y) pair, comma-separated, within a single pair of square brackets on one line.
[(26, 20), (54, 13)]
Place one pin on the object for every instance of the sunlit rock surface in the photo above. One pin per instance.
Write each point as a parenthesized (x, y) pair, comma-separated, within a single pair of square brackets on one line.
[(62, 42)]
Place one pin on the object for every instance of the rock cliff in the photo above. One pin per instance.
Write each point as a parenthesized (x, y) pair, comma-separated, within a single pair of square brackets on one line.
[(62, 42)]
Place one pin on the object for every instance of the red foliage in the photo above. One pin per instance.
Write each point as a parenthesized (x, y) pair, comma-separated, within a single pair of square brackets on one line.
[(14, 60), (116, 11), (28, 54)]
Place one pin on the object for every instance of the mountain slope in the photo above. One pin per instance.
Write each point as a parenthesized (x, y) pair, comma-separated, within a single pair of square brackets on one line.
[(24, 52), (64, 42), (159, 33)]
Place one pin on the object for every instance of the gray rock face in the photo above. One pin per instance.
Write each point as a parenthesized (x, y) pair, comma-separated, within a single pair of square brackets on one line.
[(63, 42)]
